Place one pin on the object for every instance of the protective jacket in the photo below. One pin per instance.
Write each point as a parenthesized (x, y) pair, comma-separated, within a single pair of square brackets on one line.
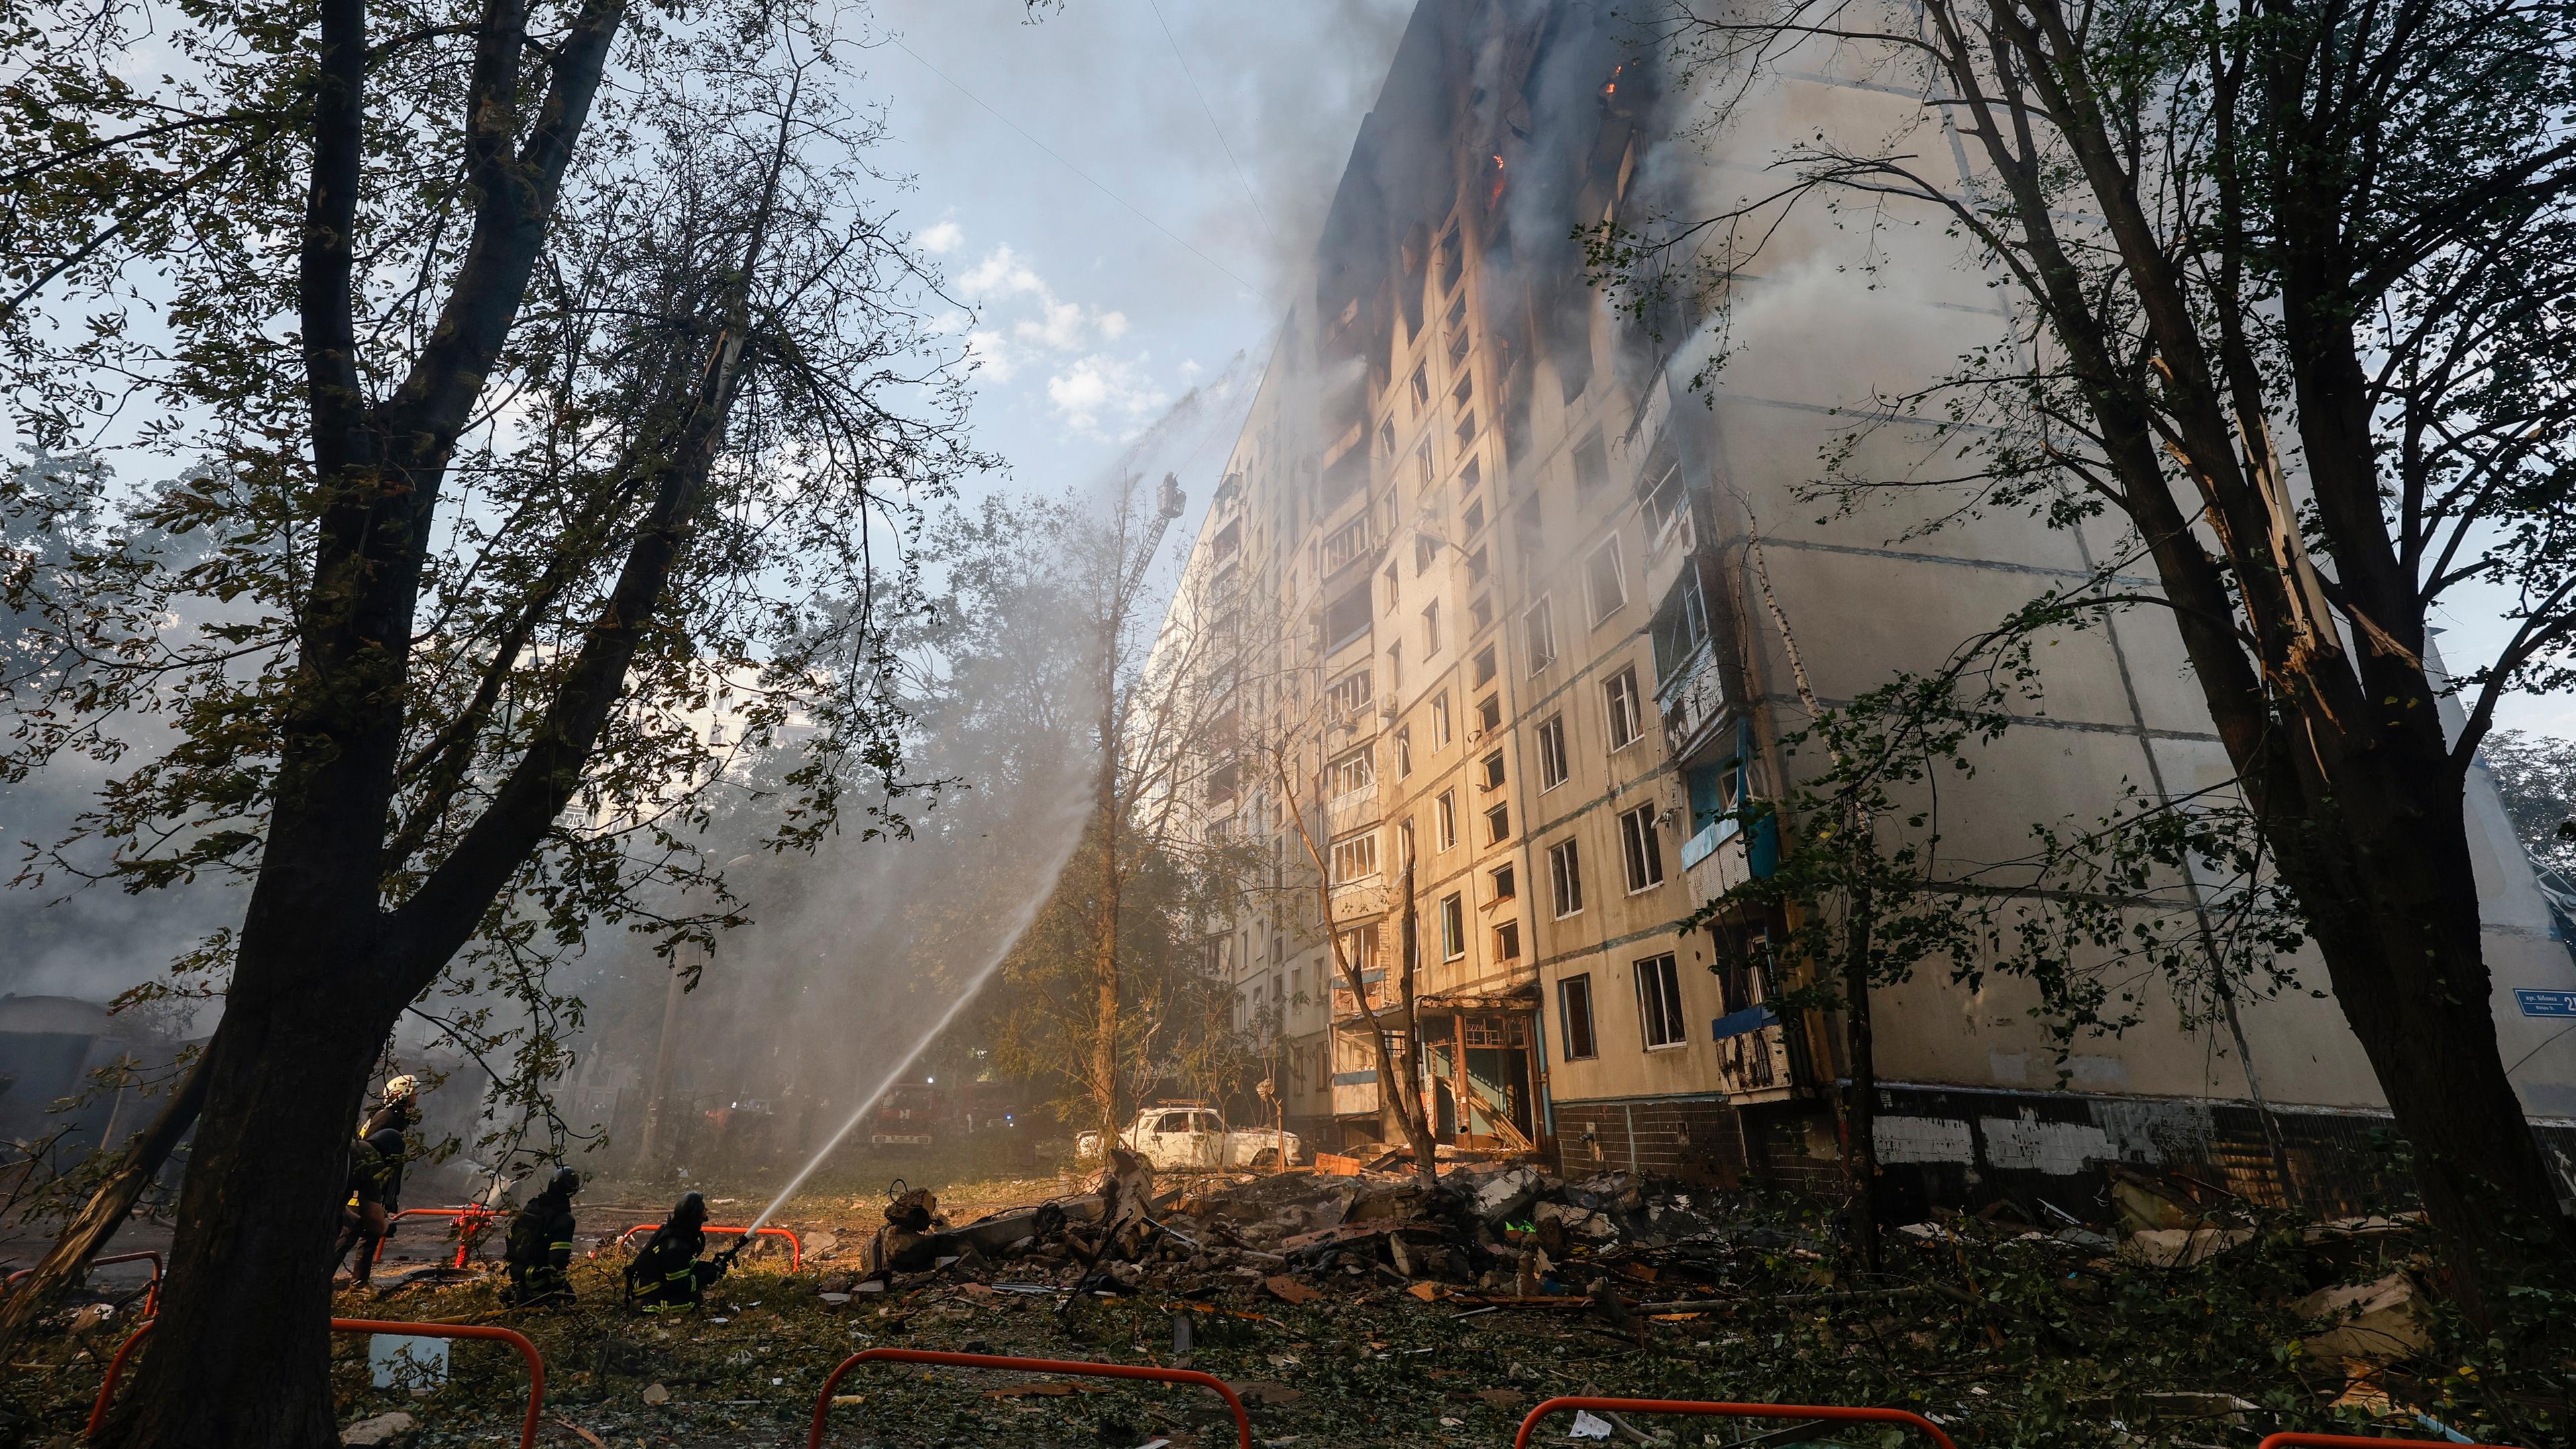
[(668, 1273), (539, 1251), (375, 1167)]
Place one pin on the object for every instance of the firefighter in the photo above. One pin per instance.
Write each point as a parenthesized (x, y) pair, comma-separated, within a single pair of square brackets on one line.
[(398, 1108), (539, 1251), (364, 1221), (668, 1274)]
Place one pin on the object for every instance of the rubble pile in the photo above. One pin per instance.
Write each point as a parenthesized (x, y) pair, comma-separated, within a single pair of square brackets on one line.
[(1488, 1233)]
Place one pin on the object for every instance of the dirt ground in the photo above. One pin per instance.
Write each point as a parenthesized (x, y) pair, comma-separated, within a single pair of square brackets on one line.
[(2004, 1335)]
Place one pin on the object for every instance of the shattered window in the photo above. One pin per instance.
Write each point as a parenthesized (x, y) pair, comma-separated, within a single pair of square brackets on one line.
[(1643, 850), (1619, 693), (1565, 876), (1574, 1009), (1659, 1002)]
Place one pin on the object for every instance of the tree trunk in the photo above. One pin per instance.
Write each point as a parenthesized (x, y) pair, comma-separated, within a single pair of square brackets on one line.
[(1860, 1106), (249, 1292), (2406, 961), (1105, 984), (106, 1210), (1417, 1122), (658, 1136)]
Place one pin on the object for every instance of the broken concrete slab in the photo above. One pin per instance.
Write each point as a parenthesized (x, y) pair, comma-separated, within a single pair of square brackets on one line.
[(2376, 1322), (396, 1430)]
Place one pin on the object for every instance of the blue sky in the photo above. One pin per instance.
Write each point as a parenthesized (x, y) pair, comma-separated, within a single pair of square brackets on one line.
[(1120, 190)]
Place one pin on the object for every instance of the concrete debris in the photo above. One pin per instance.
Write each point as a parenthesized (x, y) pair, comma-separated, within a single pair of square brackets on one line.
[(384, 1431), (1490, 1234), (2377, 1322), (2181, 1247)]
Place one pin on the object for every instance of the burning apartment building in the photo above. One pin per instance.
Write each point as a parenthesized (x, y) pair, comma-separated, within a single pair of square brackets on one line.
[(1485, 559)]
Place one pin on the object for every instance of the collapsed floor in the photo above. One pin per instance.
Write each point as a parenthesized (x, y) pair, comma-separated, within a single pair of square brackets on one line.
[(1365, 1310)]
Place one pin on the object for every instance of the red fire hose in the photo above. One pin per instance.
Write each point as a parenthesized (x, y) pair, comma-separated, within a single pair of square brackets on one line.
[(470, 1222), (1839, 1412), (795, 1245), (151, 1296), (1073, 1367), (527, 1351)]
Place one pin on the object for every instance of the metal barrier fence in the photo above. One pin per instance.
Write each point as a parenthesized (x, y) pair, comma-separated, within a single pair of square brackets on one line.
[(1072, 1367), (795, 1245), (528, 1351), (151, 1296), (1818, 1413)]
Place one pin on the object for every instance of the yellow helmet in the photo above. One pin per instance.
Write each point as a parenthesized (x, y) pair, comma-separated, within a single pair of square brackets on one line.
[(401, 1089)]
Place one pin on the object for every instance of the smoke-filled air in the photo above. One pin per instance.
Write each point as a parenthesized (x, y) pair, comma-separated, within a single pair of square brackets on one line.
[(1153, 723)]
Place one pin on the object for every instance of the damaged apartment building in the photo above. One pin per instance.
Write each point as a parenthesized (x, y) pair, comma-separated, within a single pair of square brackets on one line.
[(1484, 560)]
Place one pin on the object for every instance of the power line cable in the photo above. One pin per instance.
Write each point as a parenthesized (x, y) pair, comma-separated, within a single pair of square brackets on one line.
[(1085, 175), (1248, 193)]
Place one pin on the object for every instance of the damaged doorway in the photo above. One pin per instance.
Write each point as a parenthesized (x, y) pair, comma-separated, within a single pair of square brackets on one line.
[(1480, 1075)]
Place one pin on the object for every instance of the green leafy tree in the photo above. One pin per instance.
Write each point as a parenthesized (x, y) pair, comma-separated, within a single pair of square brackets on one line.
[(2535, 775), (555, 387)]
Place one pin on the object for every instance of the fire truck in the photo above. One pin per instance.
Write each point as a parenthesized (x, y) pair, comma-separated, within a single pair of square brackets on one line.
[(909, 1115)]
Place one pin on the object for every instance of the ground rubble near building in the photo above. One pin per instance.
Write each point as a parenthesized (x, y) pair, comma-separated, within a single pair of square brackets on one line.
[(1362, 1309)]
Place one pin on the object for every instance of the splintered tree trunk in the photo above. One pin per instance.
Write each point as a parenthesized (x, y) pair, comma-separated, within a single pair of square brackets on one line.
[(106, 1210), (250, 1277)]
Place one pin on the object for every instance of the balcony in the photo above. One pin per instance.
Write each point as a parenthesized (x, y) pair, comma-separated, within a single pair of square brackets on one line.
[(1692, 702), (1365, 899), (1724, 855), (1753, 1055), (1350, 810)]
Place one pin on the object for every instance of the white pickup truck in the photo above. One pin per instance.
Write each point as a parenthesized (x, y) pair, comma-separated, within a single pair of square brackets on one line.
[(1180, 1136)]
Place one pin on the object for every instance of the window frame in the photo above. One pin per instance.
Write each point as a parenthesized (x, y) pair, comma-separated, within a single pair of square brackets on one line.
[(1565, 877), (1444, 820), (1350, 772), (1664, 1009), (1440, 732), (1498, 823), (1453, 927), (1618, 577), (1639, 851), (1621, 688), (1568, 990), (1538, 633), (1555, 766), (1353, 844)]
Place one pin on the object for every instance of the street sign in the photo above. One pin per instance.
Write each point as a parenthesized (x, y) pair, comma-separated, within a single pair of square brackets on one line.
[(2547, 1003)]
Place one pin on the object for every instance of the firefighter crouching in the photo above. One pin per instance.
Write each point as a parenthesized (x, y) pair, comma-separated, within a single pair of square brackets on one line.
[(668, 1273), (539, 1252)]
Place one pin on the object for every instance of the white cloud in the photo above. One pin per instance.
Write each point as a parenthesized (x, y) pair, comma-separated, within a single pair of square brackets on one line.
[(1021, 322), (942, 238), (1104, 394)]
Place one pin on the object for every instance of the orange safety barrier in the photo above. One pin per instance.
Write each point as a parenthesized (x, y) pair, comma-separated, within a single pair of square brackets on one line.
[(1081, 1368), (470, 1223), (795, 1245), (2354, 1441), (151, 1295), (527, 1350), (1837, 1412)]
